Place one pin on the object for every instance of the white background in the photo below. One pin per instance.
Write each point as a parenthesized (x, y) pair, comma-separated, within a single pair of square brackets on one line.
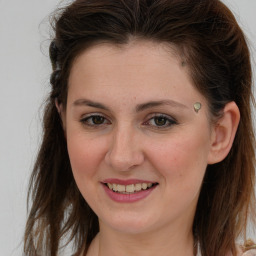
[(24, 76)]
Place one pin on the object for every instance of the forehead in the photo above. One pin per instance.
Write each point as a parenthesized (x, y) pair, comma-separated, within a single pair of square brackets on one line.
[(139, 68), (134, 47)]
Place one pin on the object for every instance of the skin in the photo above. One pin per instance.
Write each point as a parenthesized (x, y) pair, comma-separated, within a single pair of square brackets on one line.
[(130, 144)]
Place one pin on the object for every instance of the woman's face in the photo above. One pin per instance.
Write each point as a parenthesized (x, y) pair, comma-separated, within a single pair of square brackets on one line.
[(137, 147)]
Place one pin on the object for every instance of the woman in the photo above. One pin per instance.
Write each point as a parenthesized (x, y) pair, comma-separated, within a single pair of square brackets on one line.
[(148, 145)]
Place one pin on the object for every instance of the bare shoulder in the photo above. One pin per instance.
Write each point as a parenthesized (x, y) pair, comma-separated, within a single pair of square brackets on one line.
[(251, 252), (248, 250)]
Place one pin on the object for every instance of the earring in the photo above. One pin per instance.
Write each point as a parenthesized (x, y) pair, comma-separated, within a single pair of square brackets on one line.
[(197, 106)]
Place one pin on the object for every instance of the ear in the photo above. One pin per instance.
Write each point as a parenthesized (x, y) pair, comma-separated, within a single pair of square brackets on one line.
[(223, 133), (61, 112)]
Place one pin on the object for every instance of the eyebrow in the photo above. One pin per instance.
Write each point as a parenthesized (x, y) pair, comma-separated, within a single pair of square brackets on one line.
[(85, 102), (151, 104), (139, 107)]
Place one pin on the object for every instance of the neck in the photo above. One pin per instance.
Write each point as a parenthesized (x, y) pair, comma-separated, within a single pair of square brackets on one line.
[(113, 243)]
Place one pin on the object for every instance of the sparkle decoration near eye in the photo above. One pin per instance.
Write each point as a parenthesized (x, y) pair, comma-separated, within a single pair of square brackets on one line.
[(94, 120), (197, 106), (159, 121)]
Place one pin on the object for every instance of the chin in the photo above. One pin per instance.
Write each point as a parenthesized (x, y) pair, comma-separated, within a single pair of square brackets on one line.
[(130, 224)]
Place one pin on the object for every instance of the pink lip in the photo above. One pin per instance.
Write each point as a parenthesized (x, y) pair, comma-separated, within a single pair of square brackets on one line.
[(126, 182), (127, 198)]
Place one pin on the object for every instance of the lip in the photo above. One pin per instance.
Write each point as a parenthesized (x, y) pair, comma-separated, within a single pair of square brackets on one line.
[(127, 198), (126, 182)]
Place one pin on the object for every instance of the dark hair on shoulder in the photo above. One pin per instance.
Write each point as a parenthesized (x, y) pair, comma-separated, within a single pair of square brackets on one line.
[(209, 40)]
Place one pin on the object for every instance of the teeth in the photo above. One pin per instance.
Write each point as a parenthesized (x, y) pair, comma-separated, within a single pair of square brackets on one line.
[(110, 186), (121, 188), (127, 189), (130, 188), (144, 186), (138, 187), (114, 187)]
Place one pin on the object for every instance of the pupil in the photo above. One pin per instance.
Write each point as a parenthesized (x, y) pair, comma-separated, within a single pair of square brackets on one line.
[(98, 119), (160, 121)]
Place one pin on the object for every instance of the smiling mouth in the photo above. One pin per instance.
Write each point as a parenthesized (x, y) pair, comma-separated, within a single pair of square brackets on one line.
[(129, 189)]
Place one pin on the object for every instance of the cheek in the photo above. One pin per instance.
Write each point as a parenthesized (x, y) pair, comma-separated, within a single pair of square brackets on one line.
[(85, 155), (182, 160)]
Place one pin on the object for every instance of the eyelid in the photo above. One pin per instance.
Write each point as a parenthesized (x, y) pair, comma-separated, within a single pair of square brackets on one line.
[(172, 121), (86, 117), (156, 114)]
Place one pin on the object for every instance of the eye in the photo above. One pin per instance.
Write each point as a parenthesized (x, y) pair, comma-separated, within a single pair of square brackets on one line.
[(160, 121), (94, 120)]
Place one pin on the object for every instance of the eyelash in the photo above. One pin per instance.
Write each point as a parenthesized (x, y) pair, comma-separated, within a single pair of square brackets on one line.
[(88, 120), (168, 121)]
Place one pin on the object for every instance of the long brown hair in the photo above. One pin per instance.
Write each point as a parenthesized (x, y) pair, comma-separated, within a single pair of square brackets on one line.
[(208, 38)]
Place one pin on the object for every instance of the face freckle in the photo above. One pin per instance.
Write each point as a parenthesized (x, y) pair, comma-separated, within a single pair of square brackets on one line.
[(132, 88)]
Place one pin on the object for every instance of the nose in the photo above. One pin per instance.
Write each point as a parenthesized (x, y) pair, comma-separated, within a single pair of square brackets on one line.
[(124, 152)]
